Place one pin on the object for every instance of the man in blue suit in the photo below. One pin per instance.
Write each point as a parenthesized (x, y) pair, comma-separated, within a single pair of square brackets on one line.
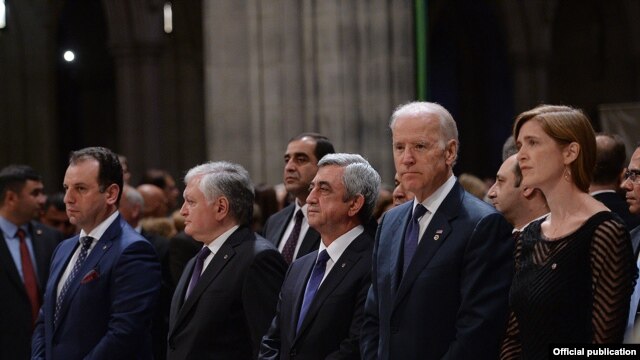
[(321, 303), (441, 273), (104, 282)]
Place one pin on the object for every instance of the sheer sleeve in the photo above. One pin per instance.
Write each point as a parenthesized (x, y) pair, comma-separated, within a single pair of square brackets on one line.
[(511, 347), (613, 274)]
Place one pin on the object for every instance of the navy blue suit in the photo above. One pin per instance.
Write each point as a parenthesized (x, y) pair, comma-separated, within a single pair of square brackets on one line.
[(331, 328), (452, 301), (107, 310)]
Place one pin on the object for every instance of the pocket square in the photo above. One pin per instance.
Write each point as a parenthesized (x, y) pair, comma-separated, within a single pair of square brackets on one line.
[(90, 276)]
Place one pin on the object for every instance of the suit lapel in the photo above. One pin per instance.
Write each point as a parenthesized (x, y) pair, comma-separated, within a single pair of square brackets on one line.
[(352, 254), (99, 250), (219, 261), (282, 225), (300, 286), (310, 242), (41, 258), (398, 226), (436, 234)]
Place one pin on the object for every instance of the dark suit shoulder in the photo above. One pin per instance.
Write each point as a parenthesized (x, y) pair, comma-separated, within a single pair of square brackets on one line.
[(273, 227)]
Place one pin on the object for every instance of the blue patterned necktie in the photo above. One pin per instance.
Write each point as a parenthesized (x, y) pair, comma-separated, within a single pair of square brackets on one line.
[(197, 269), (312, 286), (84, 250), (411, 236)]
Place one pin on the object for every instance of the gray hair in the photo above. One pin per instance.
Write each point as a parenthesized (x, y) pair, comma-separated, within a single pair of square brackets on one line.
[(359, 178), (133, 196), (222, 178), (448, 127), (423, 108)]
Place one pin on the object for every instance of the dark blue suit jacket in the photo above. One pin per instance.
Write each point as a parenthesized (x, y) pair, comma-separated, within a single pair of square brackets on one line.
[(106, 313), (331, 328), (452, 301)]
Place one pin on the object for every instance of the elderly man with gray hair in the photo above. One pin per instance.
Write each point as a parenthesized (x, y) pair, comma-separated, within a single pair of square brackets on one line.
[(227, 294), (321, 305)]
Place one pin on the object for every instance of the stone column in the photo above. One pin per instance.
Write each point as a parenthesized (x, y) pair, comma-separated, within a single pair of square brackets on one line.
[(275, 68)]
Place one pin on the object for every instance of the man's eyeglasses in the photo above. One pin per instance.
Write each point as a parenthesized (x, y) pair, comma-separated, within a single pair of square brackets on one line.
[(632, 175)]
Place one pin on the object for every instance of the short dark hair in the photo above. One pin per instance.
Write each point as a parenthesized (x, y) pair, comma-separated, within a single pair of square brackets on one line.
[(14, 177), (610, 159), (323, 145), (109, 170), (509, 148), (518, 175)]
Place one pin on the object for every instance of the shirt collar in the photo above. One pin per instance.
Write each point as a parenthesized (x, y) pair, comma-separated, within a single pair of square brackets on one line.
[(339, 245), (529, 223), (601, 192), (303, 208), (217, 243), (99, 230), (9, 229), (433, 202)]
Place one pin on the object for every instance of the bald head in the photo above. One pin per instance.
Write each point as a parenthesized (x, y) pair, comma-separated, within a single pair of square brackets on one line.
[(155, 201)]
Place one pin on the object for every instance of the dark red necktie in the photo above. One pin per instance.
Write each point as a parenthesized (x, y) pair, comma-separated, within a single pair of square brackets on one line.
[(290, 246), (29, 276)]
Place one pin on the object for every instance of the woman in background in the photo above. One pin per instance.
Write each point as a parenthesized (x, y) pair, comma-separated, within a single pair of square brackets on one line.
[(574, 269)]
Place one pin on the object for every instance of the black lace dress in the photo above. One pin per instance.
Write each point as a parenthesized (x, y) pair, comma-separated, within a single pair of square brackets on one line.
[(575, 289)]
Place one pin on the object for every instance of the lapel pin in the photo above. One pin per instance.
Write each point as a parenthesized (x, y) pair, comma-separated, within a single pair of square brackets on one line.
[(436, 237), (344, 264), (38, 232), (226, 256), (104, 247)]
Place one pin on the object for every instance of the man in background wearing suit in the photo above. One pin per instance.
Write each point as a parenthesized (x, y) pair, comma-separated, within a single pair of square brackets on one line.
[(518, 204), (611, 155), (442, 263), (104, 282), (322, 299), (631, 185), (227, 294), (131, 205), (25, 252), (288, 229)]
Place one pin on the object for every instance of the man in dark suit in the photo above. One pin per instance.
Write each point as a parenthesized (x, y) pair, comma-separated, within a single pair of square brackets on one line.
[(288, 229), (25, 251), (441, 273), (631, 185), (104, 282), (607, 175), (131, 209), (227, 294), (322, 299)]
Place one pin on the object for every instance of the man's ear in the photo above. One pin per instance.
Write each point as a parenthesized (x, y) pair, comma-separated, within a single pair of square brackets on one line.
[(356, 204), (222, 204), (451, 152), (527, 191), (111, 193)]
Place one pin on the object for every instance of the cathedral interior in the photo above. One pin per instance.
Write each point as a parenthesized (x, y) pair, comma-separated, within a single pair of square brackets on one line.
[(174, 84)]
